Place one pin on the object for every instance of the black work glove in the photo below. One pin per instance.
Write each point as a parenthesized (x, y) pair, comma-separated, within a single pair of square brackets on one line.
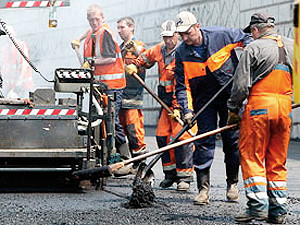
[(234, 118)]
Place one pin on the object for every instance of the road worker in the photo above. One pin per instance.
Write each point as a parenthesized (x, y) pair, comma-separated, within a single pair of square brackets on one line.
[(205, 61), (177, 163), (109, 67), (263, 76), (16, 71), (131, 115)]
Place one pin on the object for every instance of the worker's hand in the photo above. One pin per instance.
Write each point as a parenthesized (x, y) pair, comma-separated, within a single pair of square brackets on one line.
[(27, 101), (75, 43), (131, 69), (131, 46), (188, 118), (116, 166), (233, 118), (175, 114), (86, 65)]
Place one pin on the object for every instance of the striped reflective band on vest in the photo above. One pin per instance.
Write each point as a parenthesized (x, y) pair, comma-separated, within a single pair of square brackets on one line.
[(112, 74), (166, 83), (109, 76)]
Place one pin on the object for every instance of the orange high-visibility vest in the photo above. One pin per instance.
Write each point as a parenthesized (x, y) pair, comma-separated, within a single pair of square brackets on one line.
[(279, 81), (112, 74), (166, 72)]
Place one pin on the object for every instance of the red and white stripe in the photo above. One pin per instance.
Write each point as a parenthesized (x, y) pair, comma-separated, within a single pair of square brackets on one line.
[(32, 4), (37, 112)]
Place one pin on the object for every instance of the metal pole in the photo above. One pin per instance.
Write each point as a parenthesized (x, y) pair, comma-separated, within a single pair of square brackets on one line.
[(89, 129)]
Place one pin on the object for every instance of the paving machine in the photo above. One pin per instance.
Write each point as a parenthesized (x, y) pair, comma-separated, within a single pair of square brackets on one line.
[(43, 142), (44, 139)]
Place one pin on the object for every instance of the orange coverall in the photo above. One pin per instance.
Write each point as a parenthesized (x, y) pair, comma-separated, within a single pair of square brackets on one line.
[(177, 163)]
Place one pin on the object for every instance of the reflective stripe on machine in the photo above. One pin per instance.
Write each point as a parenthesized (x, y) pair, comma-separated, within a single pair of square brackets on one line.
[(37, 113)]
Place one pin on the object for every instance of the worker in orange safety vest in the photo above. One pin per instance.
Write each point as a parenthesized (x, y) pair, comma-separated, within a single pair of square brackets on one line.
[(131, 115), (263, 76), (177, 163), (109, 67)]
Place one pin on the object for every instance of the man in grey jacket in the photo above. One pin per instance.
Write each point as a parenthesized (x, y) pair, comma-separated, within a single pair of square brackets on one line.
[(263, 76)]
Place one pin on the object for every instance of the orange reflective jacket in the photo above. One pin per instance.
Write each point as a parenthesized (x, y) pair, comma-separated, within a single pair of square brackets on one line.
[(199, 69), (111, 74), (214, 62), (166, 72)]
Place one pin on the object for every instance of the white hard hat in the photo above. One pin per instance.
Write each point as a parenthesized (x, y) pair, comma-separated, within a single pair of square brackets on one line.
[(184, 21), (168, 28)]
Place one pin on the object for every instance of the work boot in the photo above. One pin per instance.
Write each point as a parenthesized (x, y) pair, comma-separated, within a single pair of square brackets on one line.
[(248, 217), (166, 183), (276, 220), (232, 193), (202, 198), (170, 179), (124, 151), (137, 163), (123, 171), (203, 185), (183, 186)]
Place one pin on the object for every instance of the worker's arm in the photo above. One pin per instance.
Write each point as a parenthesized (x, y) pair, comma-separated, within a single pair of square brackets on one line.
[(76, 42), (236, 35), (183, 92), (148, 58), (242, 81)]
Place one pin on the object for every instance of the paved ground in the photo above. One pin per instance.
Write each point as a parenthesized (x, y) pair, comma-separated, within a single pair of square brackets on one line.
[(171, 207)]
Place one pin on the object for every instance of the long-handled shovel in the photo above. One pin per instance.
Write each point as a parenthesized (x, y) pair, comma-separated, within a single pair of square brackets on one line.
[(161, 102), (78, 55), (106, 171)]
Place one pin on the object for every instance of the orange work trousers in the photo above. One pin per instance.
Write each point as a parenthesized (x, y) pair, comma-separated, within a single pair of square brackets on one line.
[(264, 139), (132, 121), (181, 158)]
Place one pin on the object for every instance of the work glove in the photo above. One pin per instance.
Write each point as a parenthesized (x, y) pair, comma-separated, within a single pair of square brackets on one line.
[(175, 114), (131, 69), (27, 101), (75, 43), (233, 118), (86, 65), (188, 118), (131, 46)]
